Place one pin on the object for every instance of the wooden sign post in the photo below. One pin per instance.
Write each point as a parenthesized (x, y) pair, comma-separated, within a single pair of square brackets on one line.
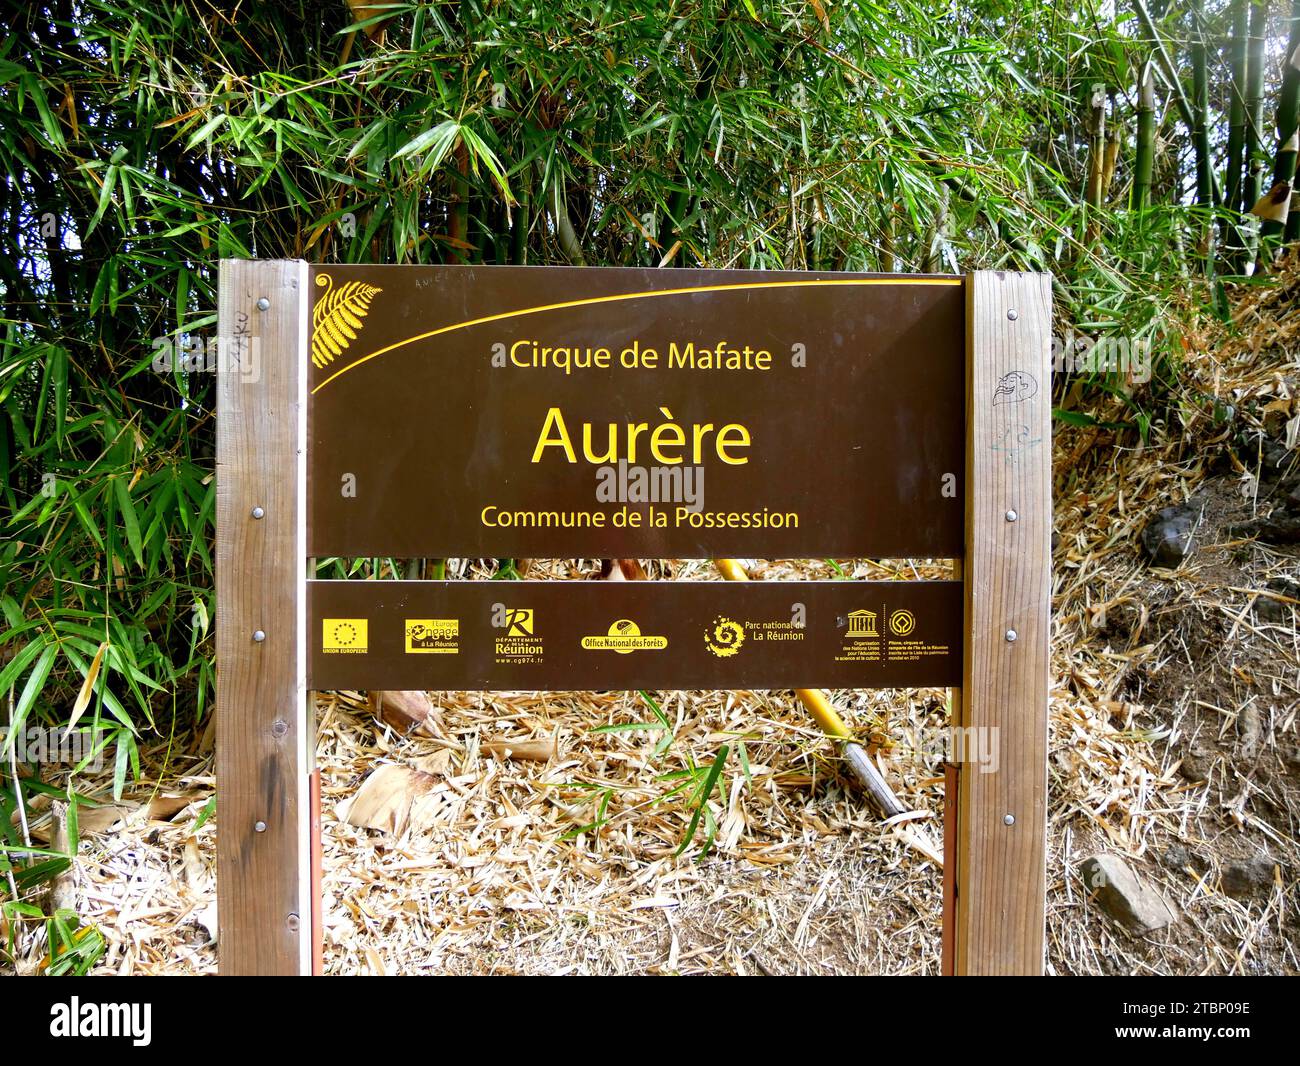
[(265, 727), (1001, 818), (416, 412)]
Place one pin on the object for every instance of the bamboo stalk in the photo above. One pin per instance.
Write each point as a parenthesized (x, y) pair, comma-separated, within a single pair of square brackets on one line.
[(1236, 164), (1144, 162), (1252, 148), (1096, 159), (1292, 232), (1201, 111), (458, 206), (678, 207), (1170, 73), (1207, 195), (888, 260), (1233, 180), (1096, 133), (1254, 105), (519, 233), (1288, 118), (1110, 159), (564, 230)]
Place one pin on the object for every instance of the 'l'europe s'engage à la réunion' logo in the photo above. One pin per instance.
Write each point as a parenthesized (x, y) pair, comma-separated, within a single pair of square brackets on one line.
[(432, 636)]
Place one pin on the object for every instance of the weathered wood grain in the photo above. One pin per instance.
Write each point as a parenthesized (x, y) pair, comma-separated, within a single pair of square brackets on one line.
[(1002, 815), (263, 734)]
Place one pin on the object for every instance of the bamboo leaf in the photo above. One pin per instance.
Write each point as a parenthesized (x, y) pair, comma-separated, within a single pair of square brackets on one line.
[(439, 139), (35, 683), (129, 519), (87, 687)]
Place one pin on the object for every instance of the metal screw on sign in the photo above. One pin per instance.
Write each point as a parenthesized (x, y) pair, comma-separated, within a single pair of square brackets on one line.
[(259, 827), (258, 636), (279, 727), (257, 512), (292, 923), (1011, 516), (1009, 819), (1011, 636), (1013, 314), (263, 304)]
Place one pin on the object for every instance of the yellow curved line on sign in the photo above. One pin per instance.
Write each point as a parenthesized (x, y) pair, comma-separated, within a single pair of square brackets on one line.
[(634, 296)]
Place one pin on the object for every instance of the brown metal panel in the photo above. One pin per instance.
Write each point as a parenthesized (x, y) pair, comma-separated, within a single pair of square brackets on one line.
[(413, 431), (633, 634)]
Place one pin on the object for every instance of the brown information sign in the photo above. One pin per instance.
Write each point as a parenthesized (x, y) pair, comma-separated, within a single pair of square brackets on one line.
[(553, 635), (544, 412), (468, 411)]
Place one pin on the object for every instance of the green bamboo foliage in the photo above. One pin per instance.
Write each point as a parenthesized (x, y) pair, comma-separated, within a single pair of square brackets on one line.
[(141, 143)]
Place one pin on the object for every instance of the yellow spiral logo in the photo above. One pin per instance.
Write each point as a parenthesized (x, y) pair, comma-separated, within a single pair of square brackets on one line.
[(724, 637)]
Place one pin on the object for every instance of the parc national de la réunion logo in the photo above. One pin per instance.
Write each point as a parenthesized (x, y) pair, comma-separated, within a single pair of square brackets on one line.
[(724, 637), (337, 316)]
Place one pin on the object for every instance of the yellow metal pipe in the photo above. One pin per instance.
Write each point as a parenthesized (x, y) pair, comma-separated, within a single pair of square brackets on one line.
[(820, 708), (731, 569)]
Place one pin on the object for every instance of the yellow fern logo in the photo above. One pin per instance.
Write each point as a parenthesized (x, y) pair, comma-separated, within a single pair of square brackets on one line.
[(337, 316)]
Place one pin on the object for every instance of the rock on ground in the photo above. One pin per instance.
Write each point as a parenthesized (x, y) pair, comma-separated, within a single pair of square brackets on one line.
[(1167, 538), (1248, 878), (1125, 896)]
